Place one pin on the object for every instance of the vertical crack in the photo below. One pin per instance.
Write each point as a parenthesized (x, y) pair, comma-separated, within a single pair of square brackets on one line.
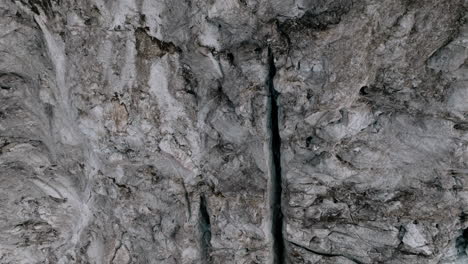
[(462, 243), (205, 231), (275, 170)]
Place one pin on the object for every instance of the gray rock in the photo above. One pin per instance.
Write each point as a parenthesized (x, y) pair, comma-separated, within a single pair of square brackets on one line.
[(243, 131)]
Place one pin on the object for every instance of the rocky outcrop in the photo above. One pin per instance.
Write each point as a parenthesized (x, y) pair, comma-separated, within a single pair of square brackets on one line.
[(243, 131)]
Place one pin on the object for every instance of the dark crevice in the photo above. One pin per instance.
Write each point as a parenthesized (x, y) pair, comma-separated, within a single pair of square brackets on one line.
[(462, 243), (205, 231), (461, 126), (276, 182), (401, 233), (329, 255), (230, 57), (126, 190)]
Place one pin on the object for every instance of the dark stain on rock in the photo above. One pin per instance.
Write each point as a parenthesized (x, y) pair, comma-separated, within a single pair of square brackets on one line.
[(37, 5), (150, 47), (318, 19)]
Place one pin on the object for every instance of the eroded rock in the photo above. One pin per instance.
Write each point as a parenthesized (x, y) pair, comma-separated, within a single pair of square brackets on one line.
[(249, 131)]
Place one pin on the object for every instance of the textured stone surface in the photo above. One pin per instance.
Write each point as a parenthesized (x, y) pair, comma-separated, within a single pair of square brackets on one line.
[(240, 131)]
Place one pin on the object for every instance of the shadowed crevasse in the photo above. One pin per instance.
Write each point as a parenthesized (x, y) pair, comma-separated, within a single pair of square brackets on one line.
[(276, 182), (205, 230)]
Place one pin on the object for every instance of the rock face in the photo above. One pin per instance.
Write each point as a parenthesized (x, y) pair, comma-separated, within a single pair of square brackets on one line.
[(240, 131)]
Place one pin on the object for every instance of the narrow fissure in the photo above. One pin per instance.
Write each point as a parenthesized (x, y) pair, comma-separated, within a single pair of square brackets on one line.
[(205, 231), (325, 254), (275, 174), (462, 243)]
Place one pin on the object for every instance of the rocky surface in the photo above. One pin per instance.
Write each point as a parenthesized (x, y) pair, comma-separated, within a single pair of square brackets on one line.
[(240, 131)]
